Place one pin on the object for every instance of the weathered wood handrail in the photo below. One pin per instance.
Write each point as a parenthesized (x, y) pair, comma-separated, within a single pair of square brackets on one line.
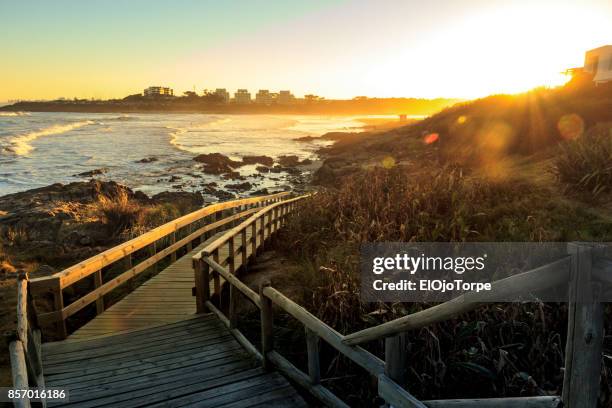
[(198, 227), (25, 345), (544, 277)]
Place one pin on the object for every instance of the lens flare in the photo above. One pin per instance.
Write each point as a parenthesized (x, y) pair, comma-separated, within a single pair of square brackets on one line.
[(388, 162), (570, 126), (462, 119), (431, 138)]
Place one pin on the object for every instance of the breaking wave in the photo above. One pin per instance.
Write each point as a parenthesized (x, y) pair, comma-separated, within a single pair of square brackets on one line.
[(11, 114), (20, 144)]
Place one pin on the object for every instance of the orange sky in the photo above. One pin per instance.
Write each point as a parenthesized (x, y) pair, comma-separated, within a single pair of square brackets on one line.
[(337, 49)]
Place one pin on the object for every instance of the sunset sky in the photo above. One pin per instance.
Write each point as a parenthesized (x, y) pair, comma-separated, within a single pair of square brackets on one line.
[(337, 49)]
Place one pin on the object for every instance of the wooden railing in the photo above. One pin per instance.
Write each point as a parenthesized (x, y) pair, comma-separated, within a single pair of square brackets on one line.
[(584, 343), (253, 233), (25, 345), (159, 243)]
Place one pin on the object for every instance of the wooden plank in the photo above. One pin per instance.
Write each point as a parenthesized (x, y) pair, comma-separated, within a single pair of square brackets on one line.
[(521, 402), (541, 278), (164, 390)]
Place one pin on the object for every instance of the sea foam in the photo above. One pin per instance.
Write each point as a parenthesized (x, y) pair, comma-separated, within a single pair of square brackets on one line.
[(20, 144)]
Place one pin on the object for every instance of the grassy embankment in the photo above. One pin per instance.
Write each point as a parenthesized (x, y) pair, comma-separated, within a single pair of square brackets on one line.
[(532, 167)]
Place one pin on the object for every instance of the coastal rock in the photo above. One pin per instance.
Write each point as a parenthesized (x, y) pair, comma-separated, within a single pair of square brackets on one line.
[(265, 160), (232, 175), (148, 160), (239, 186), (216, 163), (223, 195), (91, 173), (289, 161), (58, 223), (182, 199), (263, 191), (293, 161)]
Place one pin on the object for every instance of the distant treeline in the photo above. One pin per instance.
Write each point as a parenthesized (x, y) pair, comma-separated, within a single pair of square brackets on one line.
[(357, 106)]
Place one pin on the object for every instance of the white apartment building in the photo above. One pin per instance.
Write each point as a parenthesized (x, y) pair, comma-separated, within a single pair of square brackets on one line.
[(263, 97), (242, 96), (223, 94), (285, 98), (598, 62), (158, 91)]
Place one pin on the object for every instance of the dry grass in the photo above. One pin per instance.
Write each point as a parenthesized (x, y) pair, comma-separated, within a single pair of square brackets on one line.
[(585, 164), (119, 213)]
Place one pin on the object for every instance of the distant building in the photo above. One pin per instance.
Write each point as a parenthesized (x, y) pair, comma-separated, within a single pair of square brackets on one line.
[(285, 98), (242, 96), (158, 91), (598, 62), (263, 97), (223, 94)]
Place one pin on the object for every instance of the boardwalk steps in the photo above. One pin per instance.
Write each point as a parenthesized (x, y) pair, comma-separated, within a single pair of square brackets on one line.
[(192, 362)]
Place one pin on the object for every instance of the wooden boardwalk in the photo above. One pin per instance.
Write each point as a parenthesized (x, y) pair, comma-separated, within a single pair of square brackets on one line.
[(157, 346), (165, 298), (193, 362)]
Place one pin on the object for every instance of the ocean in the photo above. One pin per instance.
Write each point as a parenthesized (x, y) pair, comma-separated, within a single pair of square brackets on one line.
[(38, 149)]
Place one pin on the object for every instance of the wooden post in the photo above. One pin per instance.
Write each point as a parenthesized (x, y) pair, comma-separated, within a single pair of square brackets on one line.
[(245, 248), (254, 239), (216, 279), (19, 371), (97, 284), (269, 225), (312, 346), (267, 325), (262, 232), (583, 350), (233, 292), (58, 306), (172, 242), (202, 283), (129, 265), (395, 358)]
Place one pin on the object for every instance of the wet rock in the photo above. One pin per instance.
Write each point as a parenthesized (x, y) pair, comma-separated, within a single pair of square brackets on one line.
[(216, 163), (232, 175), (91, 173), (263, 191), (239, 186), (265, 160), (147, 160), (223, 195), (289, 161), (182, 199)]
